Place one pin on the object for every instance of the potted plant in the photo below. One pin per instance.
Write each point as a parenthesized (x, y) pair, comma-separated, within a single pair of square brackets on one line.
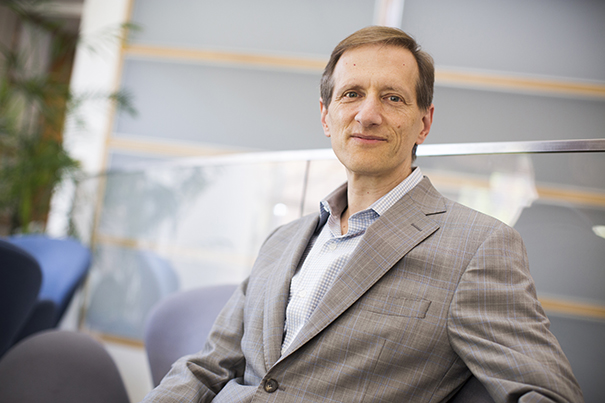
[(35, 100)]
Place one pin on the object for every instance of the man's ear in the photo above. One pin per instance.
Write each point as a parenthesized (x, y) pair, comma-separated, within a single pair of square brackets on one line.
[(427, 121), (324, 114)]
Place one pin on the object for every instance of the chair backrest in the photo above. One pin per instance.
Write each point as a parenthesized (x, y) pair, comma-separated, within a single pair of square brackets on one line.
[(60, 367), (42, 317), (64, 263), (20, 280), (180, 324)]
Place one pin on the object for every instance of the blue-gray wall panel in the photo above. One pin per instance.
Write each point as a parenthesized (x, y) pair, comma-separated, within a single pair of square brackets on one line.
[(467, 115), (241, 108), (284, 26), (545, 37)]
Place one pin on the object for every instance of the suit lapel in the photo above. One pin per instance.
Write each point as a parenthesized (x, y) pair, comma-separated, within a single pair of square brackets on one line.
[(278, 288), (385, 242)]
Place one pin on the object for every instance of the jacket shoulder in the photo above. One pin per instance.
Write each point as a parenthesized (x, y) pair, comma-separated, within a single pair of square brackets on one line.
[(448, 212)]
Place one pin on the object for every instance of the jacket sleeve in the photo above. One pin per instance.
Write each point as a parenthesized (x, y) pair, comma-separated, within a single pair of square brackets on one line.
[(498, 328), (199, 377)]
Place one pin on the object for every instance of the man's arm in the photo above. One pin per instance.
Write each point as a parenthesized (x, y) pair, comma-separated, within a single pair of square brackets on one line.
[(199, 377), (498, 328)]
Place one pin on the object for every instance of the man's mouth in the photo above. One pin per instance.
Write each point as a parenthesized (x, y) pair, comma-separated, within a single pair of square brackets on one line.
[(367, 138)]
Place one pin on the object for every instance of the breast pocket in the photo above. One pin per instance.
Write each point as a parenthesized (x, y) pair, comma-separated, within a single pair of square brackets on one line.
[(396, 306)]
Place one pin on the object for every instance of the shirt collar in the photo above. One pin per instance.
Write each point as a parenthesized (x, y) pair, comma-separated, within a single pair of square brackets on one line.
[(336, 201), (381, 205)]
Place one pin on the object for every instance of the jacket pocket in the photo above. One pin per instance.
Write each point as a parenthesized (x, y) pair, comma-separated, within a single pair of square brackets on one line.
[(397, 306)]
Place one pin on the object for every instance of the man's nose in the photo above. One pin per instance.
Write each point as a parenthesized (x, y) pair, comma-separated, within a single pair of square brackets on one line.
[(370, 112)]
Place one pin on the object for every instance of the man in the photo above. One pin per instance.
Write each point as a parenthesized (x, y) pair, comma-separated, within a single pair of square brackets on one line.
[(392, 293)]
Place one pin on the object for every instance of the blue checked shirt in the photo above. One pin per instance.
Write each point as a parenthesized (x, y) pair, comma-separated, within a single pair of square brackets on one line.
[(328, 252)]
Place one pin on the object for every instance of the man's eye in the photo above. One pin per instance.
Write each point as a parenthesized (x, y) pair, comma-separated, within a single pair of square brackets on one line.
[(351, 94), (395, 98)]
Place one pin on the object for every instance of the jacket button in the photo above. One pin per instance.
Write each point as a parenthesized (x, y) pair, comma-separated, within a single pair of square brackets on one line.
[(271, 385)]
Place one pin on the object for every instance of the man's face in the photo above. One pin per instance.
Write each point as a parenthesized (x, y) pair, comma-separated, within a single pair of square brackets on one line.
[(373, 119)]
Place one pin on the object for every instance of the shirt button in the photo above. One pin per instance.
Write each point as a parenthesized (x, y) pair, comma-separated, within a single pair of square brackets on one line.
[(271, 385), (332, 246)]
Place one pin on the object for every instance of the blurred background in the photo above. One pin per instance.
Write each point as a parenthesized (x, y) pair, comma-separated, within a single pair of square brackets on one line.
[(191, 130)]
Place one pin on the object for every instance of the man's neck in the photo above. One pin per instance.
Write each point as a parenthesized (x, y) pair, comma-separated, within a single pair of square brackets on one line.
[(363, 191)]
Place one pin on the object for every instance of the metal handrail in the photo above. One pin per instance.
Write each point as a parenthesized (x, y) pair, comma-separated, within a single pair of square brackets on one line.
[(512, 147), (424, 150)]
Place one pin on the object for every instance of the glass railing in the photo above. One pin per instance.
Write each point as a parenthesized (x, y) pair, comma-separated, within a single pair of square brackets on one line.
[(168, 226)]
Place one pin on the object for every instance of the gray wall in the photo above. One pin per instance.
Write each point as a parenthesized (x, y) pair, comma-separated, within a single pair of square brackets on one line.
[(255, 108)]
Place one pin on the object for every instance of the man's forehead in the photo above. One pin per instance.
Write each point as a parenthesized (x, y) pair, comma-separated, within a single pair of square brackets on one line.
[(387, 47), (377, 60)]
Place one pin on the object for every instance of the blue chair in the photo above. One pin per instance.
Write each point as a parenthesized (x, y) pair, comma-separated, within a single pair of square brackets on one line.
[(64, 263), (20, 280)]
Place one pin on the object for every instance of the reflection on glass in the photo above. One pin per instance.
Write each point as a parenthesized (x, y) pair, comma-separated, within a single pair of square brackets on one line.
[(500, 186), (599, 230), (170, 227)]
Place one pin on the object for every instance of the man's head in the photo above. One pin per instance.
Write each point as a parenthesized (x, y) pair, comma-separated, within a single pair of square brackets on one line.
[(383, 36), (376, 102)]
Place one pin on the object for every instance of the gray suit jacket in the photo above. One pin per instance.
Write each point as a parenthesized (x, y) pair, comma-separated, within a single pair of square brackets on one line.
[(434, 292)]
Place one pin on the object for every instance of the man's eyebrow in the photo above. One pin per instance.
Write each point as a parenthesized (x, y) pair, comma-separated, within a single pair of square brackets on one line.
[(397, 89), (348, 87), (350, 84)]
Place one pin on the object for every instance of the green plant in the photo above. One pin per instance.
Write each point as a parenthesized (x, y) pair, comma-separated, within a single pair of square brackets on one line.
[(35, 100)]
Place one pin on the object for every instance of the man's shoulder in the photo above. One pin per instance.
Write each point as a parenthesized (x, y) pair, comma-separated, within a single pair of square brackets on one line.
[(293, 228), (449, 211), (284, 240)]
